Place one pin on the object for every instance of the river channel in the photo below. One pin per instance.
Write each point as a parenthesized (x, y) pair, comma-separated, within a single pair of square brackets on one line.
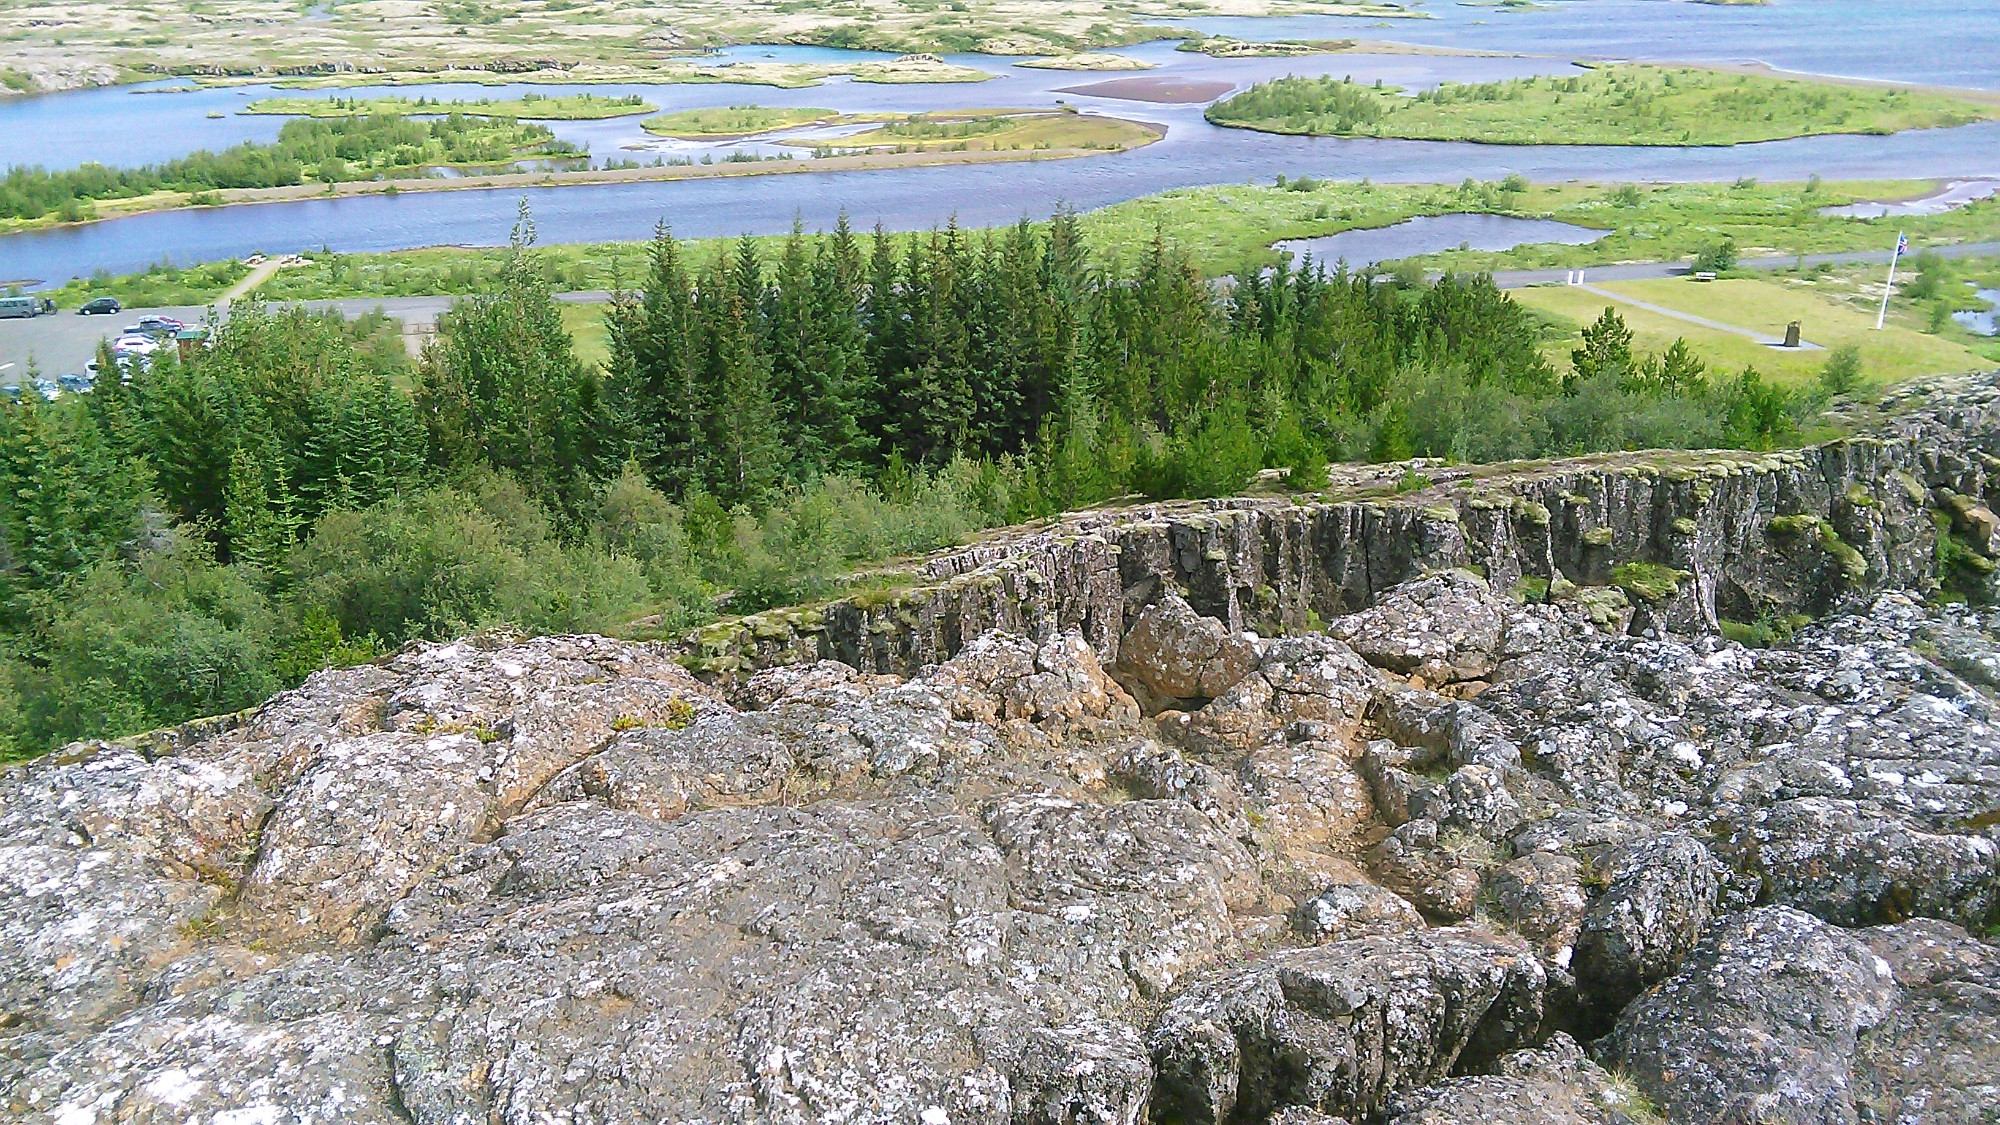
[(1946, 42)]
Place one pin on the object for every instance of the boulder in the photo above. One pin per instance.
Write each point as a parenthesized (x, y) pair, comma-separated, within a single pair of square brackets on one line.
[(1179, 654), (1441, 628), (1341, 1028), (1554, 1084), (1935, 1059), (1350, 910), (1541, 896), (1760, 1025), (1656, 904)]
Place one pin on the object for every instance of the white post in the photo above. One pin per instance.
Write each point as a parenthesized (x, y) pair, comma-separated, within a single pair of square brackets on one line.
[(1883, 314)]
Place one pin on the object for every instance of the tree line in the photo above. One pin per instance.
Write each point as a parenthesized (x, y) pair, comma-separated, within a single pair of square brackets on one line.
[(300, 494)]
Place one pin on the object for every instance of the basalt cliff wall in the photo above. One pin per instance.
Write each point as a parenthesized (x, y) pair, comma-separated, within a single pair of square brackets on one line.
[(1677, 540)]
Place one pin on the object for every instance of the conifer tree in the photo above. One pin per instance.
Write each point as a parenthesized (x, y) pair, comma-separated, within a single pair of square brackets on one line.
[(259, 522), (501, 386), (743, 426), (67, 499), (655, 350)]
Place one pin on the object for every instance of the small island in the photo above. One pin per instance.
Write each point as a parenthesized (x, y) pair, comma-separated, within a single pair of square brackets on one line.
[(967, 130), (734, 121), (527, 107), (1624, 104), (1087, 60)]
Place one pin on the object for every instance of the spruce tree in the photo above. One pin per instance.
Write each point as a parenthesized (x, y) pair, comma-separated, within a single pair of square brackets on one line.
[(655, 350)]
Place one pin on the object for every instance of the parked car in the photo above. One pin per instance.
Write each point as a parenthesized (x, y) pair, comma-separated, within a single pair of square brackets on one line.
[(160, 324), (137, 343), (20, 307), (97, 305), (76, 384), (48, 389)]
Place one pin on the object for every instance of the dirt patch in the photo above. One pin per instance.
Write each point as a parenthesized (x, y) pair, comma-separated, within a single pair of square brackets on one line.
[(1153, 89)]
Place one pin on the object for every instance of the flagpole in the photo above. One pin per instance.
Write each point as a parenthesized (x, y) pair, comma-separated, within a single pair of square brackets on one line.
[(1891, 286)]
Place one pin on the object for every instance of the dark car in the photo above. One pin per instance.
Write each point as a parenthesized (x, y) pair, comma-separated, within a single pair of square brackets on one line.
[(100, 305), (160, 324)]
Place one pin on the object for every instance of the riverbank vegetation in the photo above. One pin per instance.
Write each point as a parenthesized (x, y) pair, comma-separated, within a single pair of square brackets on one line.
[(768, 418), (329, 151), (1625, 104), (529, 107)]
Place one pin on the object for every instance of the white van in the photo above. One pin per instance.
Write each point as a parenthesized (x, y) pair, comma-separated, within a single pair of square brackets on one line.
[(20, 307)]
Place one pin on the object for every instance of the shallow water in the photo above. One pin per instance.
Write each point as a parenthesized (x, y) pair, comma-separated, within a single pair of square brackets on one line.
[(1432, 233), (1986, 322), (1954, 195)]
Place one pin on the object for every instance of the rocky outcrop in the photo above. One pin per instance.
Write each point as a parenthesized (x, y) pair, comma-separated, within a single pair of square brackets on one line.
[(1677, 540), (1490, 858)]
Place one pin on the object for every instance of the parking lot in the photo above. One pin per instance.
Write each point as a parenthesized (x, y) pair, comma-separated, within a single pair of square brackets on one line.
[(61, 343)]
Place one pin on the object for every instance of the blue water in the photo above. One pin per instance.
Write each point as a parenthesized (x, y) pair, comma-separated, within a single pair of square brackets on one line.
[(1985, 322), (1432, 233), (1935, 41), (1941, 42)]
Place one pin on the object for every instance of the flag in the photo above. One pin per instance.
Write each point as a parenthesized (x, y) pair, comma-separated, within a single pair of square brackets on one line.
[(1902, 244)]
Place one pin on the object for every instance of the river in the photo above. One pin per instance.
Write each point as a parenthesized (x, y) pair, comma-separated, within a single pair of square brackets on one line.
[(1934, 41)]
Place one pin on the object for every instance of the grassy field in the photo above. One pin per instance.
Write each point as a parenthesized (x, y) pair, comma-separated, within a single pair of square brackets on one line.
[(1627, 104), (585, 324), (1899, 351), (529, 107), (733, 121), (969, 130)]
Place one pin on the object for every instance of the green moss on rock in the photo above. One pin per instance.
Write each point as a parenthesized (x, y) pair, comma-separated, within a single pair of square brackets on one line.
[(1649, 582)]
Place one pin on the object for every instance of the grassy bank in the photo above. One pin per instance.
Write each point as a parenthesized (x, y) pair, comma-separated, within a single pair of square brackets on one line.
[(1629, 104), (532, 107)]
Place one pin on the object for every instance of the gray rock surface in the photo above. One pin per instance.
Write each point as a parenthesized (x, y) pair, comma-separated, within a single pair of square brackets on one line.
[(1761, 1025), (1551, 1085), (1342, 1027), (964, 875)]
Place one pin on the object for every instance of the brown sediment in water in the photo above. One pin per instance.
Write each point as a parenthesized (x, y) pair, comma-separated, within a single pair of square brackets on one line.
[(1153, 89)]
